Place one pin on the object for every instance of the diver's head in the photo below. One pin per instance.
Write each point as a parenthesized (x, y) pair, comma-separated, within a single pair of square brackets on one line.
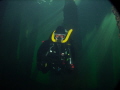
[(60, 33)]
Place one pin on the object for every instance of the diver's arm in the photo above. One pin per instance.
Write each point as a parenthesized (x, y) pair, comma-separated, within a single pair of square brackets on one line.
[(72, 48), (41, 54), (70, 58)]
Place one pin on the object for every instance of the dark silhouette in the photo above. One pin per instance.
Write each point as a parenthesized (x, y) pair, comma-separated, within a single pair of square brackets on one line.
[(116, 5), (56, 54), (117, 86), (117, 17)]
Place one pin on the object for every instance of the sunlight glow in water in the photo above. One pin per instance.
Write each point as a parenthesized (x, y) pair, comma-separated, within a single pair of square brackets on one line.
[(77, 1), (43, 1)]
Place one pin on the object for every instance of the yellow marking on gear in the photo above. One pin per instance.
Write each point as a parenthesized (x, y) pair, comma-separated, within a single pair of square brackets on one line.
[(67, 37), (52, 37), (63, 41), (45, 64)]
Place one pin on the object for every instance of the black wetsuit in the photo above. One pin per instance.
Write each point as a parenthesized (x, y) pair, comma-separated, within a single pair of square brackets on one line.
[(53, 56)]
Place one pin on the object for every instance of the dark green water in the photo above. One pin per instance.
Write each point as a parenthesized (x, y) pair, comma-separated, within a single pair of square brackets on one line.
[(24, 24)]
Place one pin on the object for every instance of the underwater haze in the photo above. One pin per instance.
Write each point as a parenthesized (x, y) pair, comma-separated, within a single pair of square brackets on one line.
[(24, 24)]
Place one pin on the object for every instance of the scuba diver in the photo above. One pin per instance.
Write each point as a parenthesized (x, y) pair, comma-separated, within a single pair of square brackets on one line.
[(57, 53)]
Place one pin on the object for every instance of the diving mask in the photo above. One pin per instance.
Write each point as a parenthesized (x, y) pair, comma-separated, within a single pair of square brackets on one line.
[(59, 37)]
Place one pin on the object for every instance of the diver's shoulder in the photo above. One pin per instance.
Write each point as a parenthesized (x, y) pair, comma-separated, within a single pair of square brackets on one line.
[(46, 41)]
